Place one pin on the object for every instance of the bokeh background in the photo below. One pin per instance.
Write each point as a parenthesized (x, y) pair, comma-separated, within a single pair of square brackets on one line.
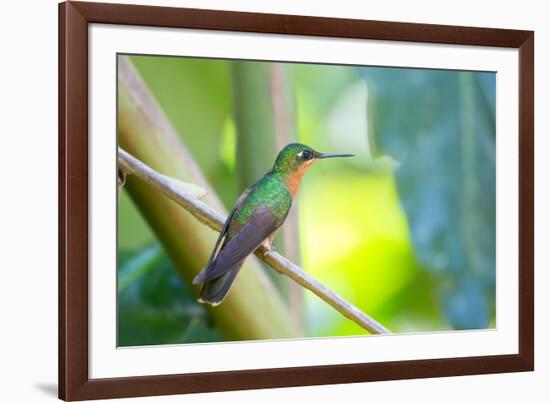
[(405, 230)]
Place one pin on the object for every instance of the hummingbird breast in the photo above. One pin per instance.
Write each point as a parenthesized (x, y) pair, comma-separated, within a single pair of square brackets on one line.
[(270, 192)]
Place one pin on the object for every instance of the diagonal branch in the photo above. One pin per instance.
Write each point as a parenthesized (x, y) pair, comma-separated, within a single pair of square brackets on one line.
[(214, 220)]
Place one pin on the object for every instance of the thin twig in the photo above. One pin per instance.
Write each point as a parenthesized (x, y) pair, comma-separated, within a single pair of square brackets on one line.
[(214, 220)]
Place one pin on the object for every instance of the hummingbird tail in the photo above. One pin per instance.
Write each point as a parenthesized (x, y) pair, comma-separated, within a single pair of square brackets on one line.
[(214, 291)]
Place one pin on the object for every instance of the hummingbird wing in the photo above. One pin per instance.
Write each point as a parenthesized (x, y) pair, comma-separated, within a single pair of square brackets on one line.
[(261, 224), (220, 242), (222, 236)]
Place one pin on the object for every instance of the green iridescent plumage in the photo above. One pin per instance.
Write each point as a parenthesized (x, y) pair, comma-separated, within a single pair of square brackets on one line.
[(270, 192), (257, 215)]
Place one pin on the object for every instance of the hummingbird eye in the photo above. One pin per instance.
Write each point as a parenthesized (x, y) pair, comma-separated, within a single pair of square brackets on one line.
[(306, 155)]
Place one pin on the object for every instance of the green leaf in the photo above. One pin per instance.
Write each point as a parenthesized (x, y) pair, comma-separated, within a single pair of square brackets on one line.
[(440, 126), (155, 307), (138, 266)]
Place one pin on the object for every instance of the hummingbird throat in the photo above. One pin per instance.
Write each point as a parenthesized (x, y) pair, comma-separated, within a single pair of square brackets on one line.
[(294, 177)]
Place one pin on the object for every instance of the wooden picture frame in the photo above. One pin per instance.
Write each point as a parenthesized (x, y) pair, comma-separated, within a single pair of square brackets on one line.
[(74, 18)]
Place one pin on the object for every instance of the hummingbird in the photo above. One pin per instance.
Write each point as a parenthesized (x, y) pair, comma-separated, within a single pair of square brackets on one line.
[(254, 220)]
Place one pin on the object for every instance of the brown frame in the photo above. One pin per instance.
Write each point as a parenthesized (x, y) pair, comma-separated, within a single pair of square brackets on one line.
[(74, 17)]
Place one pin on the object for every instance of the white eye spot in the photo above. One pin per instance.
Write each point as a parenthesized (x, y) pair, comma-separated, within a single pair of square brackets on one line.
[(299, 155)]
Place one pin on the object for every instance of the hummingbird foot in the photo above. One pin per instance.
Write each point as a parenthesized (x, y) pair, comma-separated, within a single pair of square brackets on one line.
[(268, 247)]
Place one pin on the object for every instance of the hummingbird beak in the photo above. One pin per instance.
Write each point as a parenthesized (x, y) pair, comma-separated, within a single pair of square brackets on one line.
[(323, 156)]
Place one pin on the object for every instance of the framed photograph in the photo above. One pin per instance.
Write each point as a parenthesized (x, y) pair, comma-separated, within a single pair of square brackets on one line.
[(260, 200)]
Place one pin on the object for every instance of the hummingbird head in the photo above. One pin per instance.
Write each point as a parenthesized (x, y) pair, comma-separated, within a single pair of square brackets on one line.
[(293, 161), (298, 157)]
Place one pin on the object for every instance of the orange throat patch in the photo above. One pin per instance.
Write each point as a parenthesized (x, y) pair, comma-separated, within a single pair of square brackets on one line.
[(292, 181)]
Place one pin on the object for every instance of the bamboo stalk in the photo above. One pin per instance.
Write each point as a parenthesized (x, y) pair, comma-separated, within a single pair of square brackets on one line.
[(263, 110), (255, 135), (284, 120), (254, 125), (215, 220)]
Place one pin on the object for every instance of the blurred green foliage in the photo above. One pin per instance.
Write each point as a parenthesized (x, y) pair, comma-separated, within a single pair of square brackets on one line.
[(405, 230), (157, 307), (445, 142)]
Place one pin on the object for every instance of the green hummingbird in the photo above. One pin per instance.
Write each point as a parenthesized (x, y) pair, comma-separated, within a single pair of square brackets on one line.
[(258, 214)]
